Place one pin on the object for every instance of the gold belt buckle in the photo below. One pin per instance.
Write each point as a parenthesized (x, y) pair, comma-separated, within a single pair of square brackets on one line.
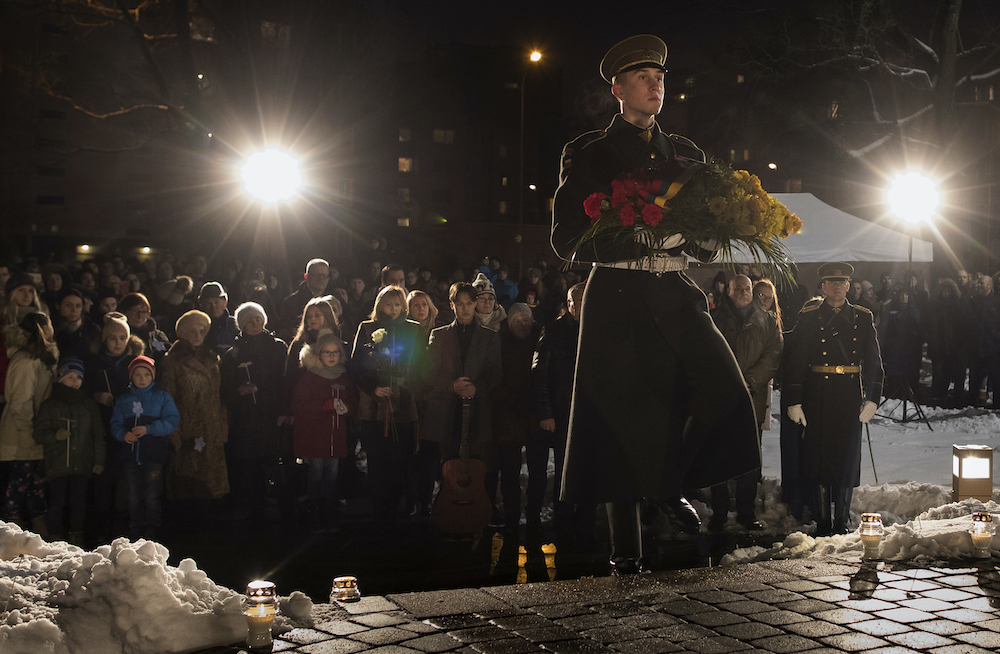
[(839, 370)]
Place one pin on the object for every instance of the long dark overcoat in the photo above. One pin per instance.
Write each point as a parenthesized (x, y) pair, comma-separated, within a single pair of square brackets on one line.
[(253, 418), (831, 442), (659, 403)]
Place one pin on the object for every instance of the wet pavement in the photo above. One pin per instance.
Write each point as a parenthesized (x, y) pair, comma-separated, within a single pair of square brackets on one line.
[(806, 605)]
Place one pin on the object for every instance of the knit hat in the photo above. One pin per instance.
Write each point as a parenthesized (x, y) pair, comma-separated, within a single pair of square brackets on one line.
[(68, 365), (114, 323), (248, 310), (19, 279), (518, 308), (142, 362), (192, 319), (534, 272), (211, 290), (483, 285)]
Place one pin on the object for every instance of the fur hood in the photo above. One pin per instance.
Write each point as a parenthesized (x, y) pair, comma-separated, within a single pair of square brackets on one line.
[(309, 357), (134, 347), (16, 338)]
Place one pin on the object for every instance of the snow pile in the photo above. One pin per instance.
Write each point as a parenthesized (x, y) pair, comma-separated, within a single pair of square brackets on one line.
[(120, 598)]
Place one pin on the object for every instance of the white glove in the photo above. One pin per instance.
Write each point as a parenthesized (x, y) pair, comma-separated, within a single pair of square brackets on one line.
[(339, 406), (867, 411), (795, 413)]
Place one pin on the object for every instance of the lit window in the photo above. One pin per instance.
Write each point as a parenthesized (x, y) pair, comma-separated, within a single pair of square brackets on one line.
[(992, 97), (503, 207), (740, 79), (746, 155), (445, 136), (732, 155), (834, 107), (503, 181), (404, 134), (406, 164), (402, 222)]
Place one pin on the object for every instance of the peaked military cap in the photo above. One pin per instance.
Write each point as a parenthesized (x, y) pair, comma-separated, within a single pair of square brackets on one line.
[(634, 52), (836, 271)]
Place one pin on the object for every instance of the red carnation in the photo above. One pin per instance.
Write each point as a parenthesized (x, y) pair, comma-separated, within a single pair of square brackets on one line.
[(592, 206), (629, 185), (652, 215), (618, 193), (627, 215)]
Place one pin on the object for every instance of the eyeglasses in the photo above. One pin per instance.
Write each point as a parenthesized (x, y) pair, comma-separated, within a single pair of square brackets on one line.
[(761, 296), (330, 353)]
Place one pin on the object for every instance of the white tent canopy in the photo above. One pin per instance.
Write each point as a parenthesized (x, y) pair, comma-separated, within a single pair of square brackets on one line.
[(829, 234)]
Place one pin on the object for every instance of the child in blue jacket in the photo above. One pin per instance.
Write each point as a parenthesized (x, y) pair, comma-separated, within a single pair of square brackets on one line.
[(143, 418)]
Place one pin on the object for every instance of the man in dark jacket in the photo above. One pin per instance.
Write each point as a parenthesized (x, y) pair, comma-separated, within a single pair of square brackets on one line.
[(659, 404), (834, 380), (214, 301), (756, 341), (314, 284)]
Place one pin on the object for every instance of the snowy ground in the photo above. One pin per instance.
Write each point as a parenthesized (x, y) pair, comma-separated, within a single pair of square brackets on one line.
[(124, 597)]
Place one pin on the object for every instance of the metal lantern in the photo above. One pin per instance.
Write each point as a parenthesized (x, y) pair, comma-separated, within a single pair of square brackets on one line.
[(972, 472), (260, 606), (982, 531), (345, 589), (872, 532)]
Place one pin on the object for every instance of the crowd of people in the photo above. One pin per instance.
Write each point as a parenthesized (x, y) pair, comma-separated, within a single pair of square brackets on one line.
[(129, 384)]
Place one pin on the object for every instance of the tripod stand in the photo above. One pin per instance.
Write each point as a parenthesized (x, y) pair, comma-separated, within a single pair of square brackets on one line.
[(908, 396)]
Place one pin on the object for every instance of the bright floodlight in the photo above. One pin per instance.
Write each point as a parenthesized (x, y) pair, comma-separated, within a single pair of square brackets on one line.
[(913, 197), (271, 176), (536, 56)]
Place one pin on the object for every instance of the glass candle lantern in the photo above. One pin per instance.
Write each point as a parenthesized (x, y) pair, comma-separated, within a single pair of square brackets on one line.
[(982, 531), (872, 532), (345, 589), (260, 606)]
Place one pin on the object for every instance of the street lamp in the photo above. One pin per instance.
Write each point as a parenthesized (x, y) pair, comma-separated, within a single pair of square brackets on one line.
[(913, 198), (534, 57), (271, 176)]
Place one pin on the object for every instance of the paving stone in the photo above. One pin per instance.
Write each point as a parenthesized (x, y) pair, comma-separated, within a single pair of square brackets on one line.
[(944, 627), (920, 573), (890, 594), (853, 642), (620, 609), (868, 605), (376, 620), (433, 643), (588, 621), (715, 618), (393, 649), (646, 646), (892, 649), (842, 616), (369, 604), (748, 631), (684, 607), (418, 627), (960, 580), (716, 596), (927, 604), (779, 618), (648, 599), (914, 585), (515, 621), (433, 603), (830, 595), (479, 634), (607, 635), (806, 606), (306, 636), (885, 576), (335, 646), (833, 579), (579, 646), (992, 625), (920, 640), (960, 648), (281, 645), (800, 586), (681, 632), (546, 634), (785, 644), (984, 639), (452, 622), (506, 646), (555, 611), (745, 607), (649, 620), (503, 612), (985, 604), (340, 627), (905, 615), (775, 596), (880, 627), (383, 636), (815, 629), (965, 615), (715, 645), (948, 594)]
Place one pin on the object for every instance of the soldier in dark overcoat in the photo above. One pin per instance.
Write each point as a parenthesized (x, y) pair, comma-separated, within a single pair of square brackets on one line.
[(659, 404), (833, 383)]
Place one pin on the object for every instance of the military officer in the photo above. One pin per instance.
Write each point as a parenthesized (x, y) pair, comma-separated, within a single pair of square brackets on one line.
[(659, 404), (833, 384)]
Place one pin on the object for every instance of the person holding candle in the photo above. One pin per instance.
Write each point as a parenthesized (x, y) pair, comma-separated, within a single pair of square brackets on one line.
[(143, 419)]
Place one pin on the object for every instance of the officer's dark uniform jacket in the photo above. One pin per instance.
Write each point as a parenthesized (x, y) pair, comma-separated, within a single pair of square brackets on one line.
[(659, 403), (834, 366)]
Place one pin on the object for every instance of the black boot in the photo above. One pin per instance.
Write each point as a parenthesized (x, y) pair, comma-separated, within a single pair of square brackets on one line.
[(823, 527), (682, 515)]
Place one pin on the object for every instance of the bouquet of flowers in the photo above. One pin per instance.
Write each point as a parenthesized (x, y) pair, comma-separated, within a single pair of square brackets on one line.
[(385, 354), (706, 203)]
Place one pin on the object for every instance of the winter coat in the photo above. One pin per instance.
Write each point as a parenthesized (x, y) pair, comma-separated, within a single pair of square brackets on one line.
[(320, 433), (155, 343), (506, 291), (253, 418), (482, 366), (900, 339), (512, 401), (71, 409), (198, 468), (552, 370), (79, 343), (757, 344), (984, 324), (403, 337), (947, 325), (155, 409), (222, 333), (29, 382)]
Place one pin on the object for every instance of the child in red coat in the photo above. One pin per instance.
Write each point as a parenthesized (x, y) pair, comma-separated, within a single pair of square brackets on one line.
[(324, 397)]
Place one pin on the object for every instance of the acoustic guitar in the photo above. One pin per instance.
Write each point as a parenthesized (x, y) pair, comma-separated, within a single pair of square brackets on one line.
[(462, 506)]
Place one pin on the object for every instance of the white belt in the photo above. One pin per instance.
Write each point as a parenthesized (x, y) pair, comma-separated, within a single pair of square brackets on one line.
[(656, 263)]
